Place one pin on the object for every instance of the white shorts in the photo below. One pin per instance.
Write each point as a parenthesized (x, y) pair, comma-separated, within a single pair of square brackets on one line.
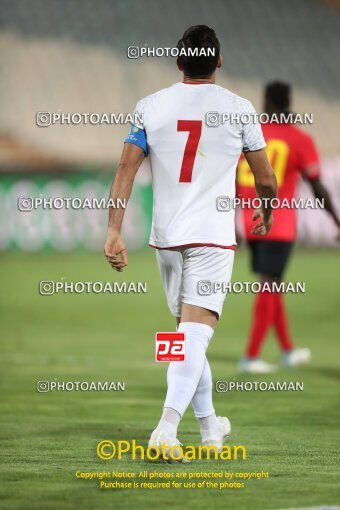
[(195, 276)]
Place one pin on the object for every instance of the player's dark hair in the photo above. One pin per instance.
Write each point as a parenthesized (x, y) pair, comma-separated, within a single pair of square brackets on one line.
[(278, 95), (199, 36)]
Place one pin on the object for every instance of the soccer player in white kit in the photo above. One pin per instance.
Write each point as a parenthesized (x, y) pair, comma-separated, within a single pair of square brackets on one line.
[(193, 158)]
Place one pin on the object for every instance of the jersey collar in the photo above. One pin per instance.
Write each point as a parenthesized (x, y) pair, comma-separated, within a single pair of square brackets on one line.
[(197, 83)]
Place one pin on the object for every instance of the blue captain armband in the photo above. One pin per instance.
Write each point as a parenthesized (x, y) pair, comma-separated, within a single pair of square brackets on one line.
[(137, 136)]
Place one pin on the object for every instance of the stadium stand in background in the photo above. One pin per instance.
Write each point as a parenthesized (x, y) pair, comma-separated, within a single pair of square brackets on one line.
[(71, 56)]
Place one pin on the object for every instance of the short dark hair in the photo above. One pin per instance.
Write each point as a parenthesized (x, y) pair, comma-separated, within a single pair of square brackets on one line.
[(278, 94), (199, 36)]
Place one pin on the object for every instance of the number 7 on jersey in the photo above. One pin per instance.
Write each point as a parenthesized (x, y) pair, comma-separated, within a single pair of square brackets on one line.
[(195, 129)]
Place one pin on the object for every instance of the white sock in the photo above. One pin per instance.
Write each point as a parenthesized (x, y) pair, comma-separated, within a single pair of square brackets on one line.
[(203, 406), (183, 377), (169, 422), (202, 400), (210, 428)]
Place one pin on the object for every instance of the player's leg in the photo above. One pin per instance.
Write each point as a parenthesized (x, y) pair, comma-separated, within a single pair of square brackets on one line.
[(170, 265), (279, 253), (202, 399), (281, 324), (264, 263), (291, 356), (269, 259), (183, 378), (202, 404), (199, 316), (201, 309), (262, 313), (213, 428), (198, 324), (262, 321)]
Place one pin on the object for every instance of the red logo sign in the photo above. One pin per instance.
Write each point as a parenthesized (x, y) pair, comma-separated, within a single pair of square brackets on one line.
[(170, 346)]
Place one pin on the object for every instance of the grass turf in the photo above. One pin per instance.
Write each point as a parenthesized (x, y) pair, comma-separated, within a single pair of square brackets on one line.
[(46, 437)]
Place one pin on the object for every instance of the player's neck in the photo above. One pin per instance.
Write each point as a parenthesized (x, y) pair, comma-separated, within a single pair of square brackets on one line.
[(193, 81)]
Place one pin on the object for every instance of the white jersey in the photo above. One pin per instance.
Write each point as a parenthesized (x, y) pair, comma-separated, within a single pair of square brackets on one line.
[(193, 164)]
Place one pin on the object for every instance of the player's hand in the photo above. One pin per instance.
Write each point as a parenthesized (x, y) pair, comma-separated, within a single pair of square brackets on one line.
[(115, 251), (264, 225)]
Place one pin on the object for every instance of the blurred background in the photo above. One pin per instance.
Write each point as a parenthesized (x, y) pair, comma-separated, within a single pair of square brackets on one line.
[(71, 56)]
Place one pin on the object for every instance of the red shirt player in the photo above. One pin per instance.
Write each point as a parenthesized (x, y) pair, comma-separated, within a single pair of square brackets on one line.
[(292, 153)]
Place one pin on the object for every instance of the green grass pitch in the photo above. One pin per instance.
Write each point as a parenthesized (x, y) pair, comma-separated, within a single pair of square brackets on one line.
[(45, 438)]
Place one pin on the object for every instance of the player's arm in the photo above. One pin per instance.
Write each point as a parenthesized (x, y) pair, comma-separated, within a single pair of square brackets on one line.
[(321, 193), (310, 169), (266, 188), (131, 160)]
